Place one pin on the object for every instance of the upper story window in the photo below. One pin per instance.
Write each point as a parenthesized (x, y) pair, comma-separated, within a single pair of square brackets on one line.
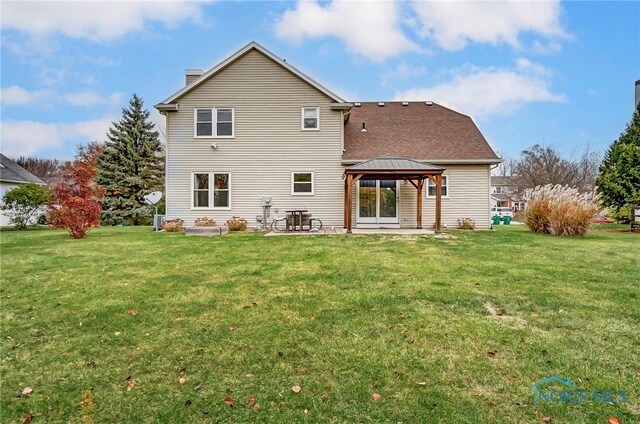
[(302, 183), (214, 122), (498, 189), (431, 187), (310, 118)]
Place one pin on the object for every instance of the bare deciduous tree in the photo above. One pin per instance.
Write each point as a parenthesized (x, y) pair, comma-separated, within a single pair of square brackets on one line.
[(541, 165)]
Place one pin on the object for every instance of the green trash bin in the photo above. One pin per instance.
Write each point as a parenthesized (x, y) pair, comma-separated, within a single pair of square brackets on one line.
[(496, 219), (507, 220)]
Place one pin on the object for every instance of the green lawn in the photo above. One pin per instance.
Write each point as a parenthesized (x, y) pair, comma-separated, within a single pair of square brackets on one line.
[(343, 317)]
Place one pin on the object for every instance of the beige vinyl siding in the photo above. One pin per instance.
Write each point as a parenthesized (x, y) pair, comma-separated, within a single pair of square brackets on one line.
[(268, 145), (468, 198)]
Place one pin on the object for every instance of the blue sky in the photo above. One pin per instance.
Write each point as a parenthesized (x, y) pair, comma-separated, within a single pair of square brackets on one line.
[(556, 73)]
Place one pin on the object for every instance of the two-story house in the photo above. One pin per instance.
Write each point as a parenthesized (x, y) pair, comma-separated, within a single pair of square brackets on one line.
[(254, 126), (506, 194)]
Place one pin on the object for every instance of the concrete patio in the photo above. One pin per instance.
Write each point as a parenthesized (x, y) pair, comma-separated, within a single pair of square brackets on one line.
[(340, 230)]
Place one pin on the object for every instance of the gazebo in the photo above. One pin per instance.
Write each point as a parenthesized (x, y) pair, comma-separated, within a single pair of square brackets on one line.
[(394, 168)]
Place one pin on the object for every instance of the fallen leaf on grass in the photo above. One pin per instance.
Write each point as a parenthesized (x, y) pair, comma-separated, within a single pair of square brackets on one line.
[(251, 400), (547, 419), (306, 412), (229, 401), (188, 402), (491, 353), (127, 378), (132, 312), (183, 371), (27, 390), (376, 397), (475, 394), (613, 420), (421, 383), (182, 380), (28, 418), (130, 387), (544, 352), (296, 389), (233, 328), (198, 387), (256, 406)]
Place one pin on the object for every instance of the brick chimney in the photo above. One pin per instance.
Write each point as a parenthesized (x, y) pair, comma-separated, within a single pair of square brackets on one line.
[(192, 74)]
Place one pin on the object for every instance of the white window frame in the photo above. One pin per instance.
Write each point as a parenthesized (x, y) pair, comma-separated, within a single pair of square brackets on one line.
[(214, 122), (302, 109), (313, 183), (211, 190), (447, 185)]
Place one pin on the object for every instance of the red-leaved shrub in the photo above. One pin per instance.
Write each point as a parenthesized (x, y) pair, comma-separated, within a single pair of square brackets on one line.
[(559, 210), (74, 203)]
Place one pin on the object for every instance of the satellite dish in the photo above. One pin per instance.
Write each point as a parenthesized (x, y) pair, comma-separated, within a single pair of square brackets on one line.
[(153, 198)]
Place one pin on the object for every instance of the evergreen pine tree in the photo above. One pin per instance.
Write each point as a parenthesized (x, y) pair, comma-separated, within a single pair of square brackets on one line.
[(130, 166), (619, 180)]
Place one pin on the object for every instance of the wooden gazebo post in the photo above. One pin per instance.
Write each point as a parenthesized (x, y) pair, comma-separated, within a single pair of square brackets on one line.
[(419, 211), (438, 228)]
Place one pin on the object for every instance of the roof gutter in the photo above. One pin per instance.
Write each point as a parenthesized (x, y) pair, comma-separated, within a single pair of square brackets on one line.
[(341, 106), (167, 107), (438, 161)]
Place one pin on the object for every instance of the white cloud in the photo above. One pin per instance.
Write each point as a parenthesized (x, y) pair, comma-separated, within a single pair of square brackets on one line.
[(91, 99), (370, 29), (18, 96), (26, 138), (97, 21), (403, 71), (485, 92), (453, 24)]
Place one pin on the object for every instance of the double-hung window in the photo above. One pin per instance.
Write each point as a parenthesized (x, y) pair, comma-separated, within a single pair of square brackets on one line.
[(302, 183), (211, 190), (431, 187), (310, 118), (214, 122)]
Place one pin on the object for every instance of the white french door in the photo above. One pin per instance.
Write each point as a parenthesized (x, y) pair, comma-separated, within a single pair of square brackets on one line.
[(377, 201)]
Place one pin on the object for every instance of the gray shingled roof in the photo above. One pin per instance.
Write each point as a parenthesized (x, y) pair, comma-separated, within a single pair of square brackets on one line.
[(14, 173), (393, 163)]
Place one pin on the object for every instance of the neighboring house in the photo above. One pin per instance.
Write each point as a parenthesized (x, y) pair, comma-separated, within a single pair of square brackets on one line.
[(11, 176), (254, 127), (505, 193)]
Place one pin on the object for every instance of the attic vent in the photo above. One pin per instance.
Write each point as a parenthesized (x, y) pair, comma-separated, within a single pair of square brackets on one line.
[(405, 103), (429, 103), (380, 104), (357, 104)]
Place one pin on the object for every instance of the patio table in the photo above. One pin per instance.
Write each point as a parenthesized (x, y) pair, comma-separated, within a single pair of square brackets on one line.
[(295, 212)]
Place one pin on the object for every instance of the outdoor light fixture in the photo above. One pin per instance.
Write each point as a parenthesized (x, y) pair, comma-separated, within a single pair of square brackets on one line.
[(363, 128), (214, 146)]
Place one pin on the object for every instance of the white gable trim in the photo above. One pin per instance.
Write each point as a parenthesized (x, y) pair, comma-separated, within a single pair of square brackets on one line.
[(246, 49)]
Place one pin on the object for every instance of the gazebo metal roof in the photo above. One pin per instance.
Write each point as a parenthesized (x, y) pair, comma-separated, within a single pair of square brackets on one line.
[(393, 163)]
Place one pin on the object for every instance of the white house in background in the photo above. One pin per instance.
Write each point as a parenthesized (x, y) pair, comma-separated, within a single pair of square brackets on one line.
[(505, 193), (13, 175), (254, 126)]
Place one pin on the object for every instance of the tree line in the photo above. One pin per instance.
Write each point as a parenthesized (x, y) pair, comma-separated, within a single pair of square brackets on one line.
[(113, 177), (105, 183)]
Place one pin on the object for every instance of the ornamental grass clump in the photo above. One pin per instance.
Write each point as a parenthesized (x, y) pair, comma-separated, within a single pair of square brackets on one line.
[(173, 225), (205, 222), (559, 210), (237, 224)]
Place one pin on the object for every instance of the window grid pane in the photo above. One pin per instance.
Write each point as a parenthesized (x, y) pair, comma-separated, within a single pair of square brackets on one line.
[(431, 187)]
